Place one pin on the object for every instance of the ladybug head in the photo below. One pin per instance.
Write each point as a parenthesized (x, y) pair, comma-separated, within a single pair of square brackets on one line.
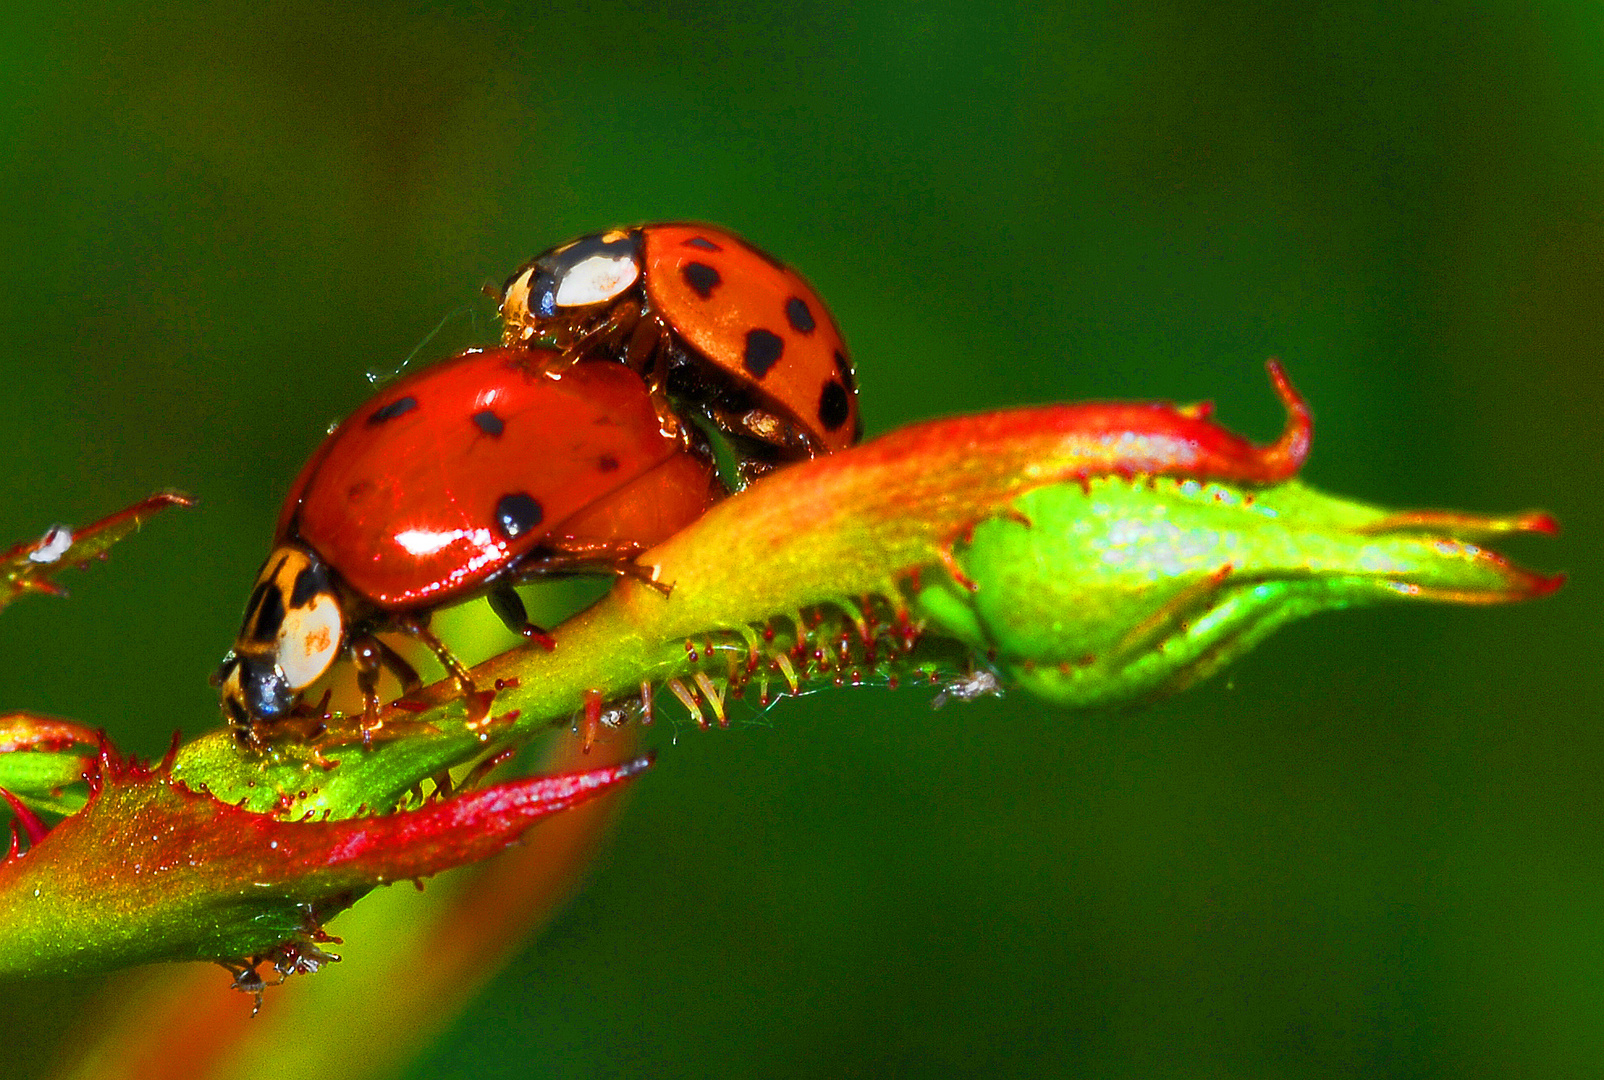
[(292, 633), (590, 271)]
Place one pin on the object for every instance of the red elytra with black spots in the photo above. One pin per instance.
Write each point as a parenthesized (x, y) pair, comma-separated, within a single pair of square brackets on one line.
[(774, 367), (460, 472), (456, 481)]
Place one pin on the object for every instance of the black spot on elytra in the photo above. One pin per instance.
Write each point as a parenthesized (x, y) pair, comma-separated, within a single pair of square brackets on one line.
[(308, 583), (702, 278), (269, 616), (801, 319), (701, 242), (763, 350), (844, 366), (489, 423), (517, 513), (607, 463), (834, 406), (394, 409)]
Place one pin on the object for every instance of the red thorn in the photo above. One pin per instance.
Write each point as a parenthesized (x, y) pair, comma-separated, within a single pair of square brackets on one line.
[(1539, 522), (37, 830), (1284, 457), (477, 705), (166, 764), (15, 844), (108, 759), (480, 772), (1543, 586), (593, 711), (539, 637)]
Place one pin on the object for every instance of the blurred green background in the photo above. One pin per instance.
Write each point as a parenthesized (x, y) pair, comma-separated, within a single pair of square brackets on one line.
[(1372, 849)]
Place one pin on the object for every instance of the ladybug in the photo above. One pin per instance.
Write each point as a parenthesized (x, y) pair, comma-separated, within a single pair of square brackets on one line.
[(711, 321), (457, 481)]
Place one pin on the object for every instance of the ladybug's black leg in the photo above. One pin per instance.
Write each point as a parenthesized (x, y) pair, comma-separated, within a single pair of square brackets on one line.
[(509, 608), (597, 559)]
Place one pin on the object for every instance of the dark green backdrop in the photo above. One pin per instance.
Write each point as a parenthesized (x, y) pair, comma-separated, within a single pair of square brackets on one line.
[(1372, 849)]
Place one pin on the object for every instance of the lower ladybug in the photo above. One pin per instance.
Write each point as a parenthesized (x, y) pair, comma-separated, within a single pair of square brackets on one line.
[(712, 321), (457, 481)]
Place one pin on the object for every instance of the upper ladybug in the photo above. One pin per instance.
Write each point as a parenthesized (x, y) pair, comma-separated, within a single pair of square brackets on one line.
[(711, 321), (457, 481)]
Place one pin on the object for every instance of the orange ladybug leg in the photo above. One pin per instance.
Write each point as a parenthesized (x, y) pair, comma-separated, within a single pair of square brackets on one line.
[(476, 702), (603, 335), (647, 339), (397, 665), (509, 608), (646, 351), (418, 628), (367, 654)]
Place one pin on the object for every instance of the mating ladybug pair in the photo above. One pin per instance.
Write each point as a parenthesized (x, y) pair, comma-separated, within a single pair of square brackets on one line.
[(561, 451)]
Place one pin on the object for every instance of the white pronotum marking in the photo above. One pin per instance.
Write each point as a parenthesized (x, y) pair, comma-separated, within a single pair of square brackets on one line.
[(309, 640), (596, 279)]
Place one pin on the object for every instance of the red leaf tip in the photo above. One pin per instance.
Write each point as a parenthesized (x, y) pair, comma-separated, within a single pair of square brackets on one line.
[(1288, 453), (31, 824), (1539, 522), (1543, 586)]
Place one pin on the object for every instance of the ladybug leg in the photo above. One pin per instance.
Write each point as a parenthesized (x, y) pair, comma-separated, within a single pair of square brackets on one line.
[(613, 559), (509, 608), (647, 352), (419, 629), (763, 439), (367, 654), (645, 339), (626, 566), (476, 703), (605, 334), (397, 665)]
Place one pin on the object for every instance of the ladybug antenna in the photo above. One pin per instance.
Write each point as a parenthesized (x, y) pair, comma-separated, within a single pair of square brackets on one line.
[(379, 377)]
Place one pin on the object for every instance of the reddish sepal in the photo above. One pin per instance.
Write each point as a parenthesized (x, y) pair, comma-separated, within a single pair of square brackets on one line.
[(31, 731), (150, 870)]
